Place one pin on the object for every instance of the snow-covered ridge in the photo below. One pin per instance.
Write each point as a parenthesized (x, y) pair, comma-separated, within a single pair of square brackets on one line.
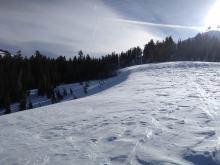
[(171, 65), (158, 114)]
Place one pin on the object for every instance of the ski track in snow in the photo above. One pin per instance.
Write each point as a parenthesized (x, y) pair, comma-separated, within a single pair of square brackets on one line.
[(160, 114)]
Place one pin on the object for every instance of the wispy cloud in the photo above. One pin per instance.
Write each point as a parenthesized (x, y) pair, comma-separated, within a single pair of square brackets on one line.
[(197, 28), (95, 26), (64, 27)]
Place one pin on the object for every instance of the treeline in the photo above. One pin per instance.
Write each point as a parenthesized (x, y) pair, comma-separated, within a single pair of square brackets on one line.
[(18, 74), (203, 47)]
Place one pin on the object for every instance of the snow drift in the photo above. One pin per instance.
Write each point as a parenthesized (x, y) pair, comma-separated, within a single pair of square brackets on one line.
[(151, 114)]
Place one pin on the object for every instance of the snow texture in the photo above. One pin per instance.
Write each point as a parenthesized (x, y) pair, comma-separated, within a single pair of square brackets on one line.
[(157, 114)]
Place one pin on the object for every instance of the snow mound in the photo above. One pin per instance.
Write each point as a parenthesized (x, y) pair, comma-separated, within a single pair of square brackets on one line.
[(152, 114)]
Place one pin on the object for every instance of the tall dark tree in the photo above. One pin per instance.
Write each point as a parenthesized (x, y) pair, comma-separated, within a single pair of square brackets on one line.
[(23, 102)]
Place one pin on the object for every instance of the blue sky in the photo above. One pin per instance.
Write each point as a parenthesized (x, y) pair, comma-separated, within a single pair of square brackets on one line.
[(96, 26)]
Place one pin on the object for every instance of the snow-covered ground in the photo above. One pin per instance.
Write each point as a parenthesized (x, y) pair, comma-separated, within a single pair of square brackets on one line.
[(153, 114)]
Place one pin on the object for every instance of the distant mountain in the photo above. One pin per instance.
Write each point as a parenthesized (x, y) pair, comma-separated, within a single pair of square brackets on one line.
[(4, 52)]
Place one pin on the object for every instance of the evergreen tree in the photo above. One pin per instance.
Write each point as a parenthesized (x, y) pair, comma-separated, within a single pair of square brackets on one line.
[(71, 91), (64, 92), (54, 98), (59, 96), (6, 104), (30, 105), (22, 103)]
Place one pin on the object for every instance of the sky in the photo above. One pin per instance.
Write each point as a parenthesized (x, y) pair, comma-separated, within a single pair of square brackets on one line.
[(97, 27)]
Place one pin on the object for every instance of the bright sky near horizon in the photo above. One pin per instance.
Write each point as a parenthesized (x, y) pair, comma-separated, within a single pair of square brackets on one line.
[(99, 26)]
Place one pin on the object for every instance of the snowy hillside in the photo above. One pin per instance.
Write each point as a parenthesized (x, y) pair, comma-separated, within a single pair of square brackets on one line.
[(154, 114), (95, 86)]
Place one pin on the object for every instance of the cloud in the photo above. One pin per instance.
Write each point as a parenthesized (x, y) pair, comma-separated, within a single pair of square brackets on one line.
[(177, 12), (64, 27), (178, 18), (197, 28), (95, 26)]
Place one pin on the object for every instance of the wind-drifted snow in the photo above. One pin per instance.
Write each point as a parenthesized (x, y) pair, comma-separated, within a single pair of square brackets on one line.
[(157, 114)]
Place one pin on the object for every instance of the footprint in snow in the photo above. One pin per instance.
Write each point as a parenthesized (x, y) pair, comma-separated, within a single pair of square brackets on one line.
[(112, 138), (119, 158), (94, 140)]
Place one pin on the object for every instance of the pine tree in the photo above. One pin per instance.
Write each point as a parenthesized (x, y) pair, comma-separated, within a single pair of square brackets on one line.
[(22, 103), (6, 104), (30, 105), (71, 91), (64, 92), (59, 96)]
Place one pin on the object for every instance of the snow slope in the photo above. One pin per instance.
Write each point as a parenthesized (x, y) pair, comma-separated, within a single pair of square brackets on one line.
[(95, 86), (158, 114)]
